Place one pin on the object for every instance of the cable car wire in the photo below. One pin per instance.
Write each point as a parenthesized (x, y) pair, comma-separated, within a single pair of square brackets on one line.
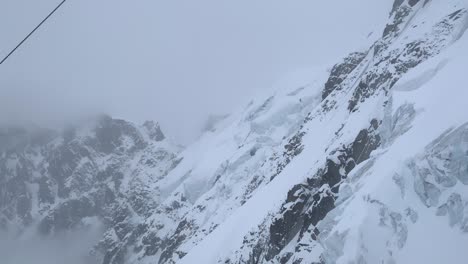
[(32, 32)]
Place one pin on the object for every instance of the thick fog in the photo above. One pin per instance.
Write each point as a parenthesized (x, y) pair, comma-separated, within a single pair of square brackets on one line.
[(72, 247), (171, 61)]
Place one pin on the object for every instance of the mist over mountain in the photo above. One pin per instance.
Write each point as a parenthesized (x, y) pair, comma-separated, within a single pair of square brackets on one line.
[(170, 61), (360, 157)]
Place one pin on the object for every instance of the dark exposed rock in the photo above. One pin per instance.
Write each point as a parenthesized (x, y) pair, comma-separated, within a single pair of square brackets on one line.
[(307, 204), (63, 161), (365, 142), (400, 13), (413, 2), (390, 64), (341, 71), (396, 5), (83, 176), (152, 243), (284, 228), (170, 246), (293, 148), (255, 256), (110, 132), (154, 131), (286, 257)]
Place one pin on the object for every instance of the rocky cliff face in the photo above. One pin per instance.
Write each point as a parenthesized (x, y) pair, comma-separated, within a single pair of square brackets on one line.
[(100, 174), (354, 166)]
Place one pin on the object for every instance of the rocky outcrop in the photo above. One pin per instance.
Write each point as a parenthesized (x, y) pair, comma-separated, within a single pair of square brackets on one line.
[(104, 171)]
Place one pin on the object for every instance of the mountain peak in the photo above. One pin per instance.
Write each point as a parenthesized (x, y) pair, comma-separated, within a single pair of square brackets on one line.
[(351, 165), (153, 130)]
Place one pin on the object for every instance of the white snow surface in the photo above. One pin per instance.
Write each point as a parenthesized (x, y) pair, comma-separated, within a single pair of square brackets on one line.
[(437, 90), (220, 199)]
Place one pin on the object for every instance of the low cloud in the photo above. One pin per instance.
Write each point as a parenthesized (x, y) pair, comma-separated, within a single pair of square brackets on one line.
[(71, 248)]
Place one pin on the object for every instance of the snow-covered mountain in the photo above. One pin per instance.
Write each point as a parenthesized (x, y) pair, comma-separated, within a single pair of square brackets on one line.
[(100, 175), (366, 162)]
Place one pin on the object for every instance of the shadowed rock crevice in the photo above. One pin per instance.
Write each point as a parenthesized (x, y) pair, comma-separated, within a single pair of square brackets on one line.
[(307, 204), (341, 71)]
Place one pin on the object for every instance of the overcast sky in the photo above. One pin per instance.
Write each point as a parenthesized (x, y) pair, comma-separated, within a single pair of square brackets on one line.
[(173, 61)]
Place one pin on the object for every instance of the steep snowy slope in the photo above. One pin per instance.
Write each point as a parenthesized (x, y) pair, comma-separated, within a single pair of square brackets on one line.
[(351, 174), (366, 162)]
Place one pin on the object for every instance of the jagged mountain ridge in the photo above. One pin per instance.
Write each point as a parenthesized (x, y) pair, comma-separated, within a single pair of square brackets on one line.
[(102, 174), (350, 166)]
